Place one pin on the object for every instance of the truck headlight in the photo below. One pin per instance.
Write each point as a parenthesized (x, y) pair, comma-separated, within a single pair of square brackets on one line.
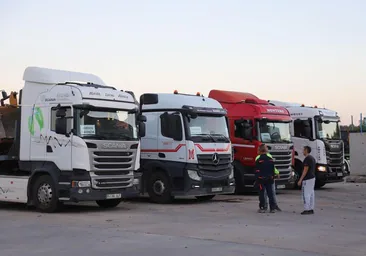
[(81, 184), (231, 176), (322, 169), (194, 175), (292, 174)]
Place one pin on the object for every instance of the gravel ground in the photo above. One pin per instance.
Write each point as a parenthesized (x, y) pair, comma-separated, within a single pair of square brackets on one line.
[(228, 225)]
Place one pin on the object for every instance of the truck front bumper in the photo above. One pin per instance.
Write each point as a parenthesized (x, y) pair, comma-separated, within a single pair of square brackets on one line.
[(329, 174), (207, 187), (90, 194)]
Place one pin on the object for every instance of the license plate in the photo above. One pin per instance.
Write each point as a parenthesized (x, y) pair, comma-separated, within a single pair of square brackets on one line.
[(216, 189), (281, 186), (339, 174), (113, 196)]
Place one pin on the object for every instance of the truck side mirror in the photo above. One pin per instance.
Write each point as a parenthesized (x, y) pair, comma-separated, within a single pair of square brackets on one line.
[(149, 98), (141, 118), (142, 129), (4, 94), (61, 113), (61, 125), (177, 130)]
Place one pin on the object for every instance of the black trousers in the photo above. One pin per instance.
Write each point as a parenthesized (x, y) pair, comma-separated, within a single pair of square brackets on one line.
[(266, 186)]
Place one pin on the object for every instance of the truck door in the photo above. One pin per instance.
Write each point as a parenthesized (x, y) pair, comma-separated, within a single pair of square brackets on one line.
[(171, 141), (59, 144)]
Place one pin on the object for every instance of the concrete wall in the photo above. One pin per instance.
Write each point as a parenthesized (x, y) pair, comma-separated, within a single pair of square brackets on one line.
[(358, 153)]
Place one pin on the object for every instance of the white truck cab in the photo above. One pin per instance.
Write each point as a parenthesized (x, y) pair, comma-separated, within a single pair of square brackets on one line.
[(70, 139), (319, 129), (186, 150)]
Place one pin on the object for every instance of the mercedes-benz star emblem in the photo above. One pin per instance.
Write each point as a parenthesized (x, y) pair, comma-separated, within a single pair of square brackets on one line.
[(215, 158)]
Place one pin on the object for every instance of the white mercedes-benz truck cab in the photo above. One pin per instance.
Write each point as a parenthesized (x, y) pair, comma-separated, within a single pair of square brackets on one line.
[(319, 129), (186, 150), (71, 138)]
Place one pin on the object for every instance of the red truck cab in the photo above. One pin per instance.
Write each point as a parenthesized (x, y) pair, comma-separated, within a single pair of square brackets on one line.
[(253, 121)]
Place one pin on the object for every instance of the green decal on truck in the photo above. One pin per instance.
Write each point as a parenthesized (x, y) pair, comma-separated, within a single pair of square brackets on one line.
[(38, 115)]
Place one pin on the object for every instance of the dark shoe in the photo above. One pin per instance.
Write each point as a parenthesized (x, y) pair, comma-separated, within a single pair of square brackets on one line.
[(273, 211), (307, 212), (262, 210), (278, 209)]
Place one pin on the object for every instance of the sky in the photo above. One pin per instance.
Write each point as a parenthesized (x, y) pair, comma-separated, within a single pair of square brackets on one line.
[(311, 52)]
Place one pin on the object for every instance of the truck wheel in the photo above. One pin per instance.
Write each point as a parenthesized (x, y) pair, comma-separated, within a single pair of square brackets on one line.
[(159, 188), (111, 203), (239, 182), (44, 194), (319, 184), (205, 198), (298, 172)]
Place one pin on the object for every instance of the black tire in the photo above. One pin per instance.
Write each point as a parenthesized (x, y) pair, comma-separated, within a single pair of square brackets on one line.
[(205, 198), (111, 203), (159, 188), (239, 182), (319, 184), (44, 194), (298, 172)]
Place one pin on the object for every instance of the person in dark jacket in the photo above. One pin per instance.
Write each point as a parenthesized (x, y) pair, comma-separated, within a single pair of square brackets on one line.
[(264, 174)]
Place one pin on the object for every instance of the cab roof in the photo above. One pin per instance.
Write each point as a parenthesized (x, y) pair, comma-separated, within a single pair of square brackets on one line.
[(54, 76), (178, 101)]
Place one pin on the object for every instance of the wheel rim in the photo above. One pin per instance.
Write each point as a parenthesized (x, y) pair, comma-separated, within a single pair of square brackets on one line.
[(44, 194), (158, 187)]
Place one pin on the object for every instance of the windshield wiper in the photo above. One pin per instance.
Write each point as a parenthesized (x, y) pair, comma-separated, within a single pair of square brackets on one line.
[(112, 135), (95, 136), (205, 136), (222, 137)]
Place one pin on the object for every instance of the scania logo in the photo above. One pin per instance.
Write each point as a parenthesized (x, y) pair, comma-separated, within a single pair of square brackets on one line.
[(215, 159), (334, 146), (280, 147), (114, 145)]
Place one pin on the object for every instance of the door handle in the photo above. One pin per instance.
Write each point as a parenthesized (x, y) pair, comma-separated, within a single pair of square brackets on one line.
[(161, 155), (49, 149)]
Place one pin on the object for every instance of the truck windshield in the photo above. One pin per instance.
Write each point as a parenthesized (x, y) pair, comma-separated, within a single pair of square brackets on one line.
[(328, 130), (274, 132), (207, 128), (106, 124)]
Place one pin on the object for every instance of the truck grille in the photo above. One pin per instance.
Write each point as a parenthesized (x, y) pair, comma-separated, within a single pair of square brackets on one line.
[(208, 167), (334, 154), (112, 169), (282, 161)]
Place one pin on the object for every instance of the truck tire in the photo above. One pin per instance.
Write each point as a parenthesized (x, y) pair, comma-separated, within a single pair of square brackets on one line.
[(298, 172), (44, 194), (111, 203), (239, 182), (205, 198), (159, 188), (319, 184)]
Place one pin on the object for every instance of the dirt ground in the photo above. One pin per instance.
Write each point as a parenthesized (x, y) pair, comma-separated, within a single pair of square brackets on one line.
[(228, 225)]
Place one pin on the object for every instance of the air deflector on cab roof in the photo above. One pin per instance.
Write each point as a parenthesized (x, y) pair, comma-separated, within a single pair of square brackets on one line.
[(149, 99)]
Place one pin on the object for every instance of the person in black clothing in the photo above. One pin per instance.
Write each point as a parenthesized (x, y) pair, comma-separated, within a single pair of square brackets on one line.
[(307, 182), (265, 171)]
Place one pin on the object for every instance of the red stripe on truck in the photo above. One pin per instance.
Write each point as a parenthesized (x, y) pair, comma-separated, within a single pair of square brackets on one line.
[(164, 150), (212, 149)]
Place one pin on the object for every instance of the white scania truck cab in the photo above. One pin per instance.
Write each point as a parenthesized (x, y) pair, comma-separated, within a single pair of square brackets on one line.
[(319, 129), (186, 150), (71, 138)]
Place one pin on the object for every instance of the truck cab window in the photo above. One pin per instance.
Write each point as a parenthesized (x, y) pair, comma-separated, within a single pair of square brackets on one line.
[(303, 128), (243, 129), (53, 118)]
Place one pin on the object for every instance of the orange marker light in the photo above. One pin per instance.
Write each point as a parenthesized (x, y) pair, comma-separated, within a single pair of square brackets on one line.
[(198, 94), (302, 105), (315, 106), (175, 92)]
